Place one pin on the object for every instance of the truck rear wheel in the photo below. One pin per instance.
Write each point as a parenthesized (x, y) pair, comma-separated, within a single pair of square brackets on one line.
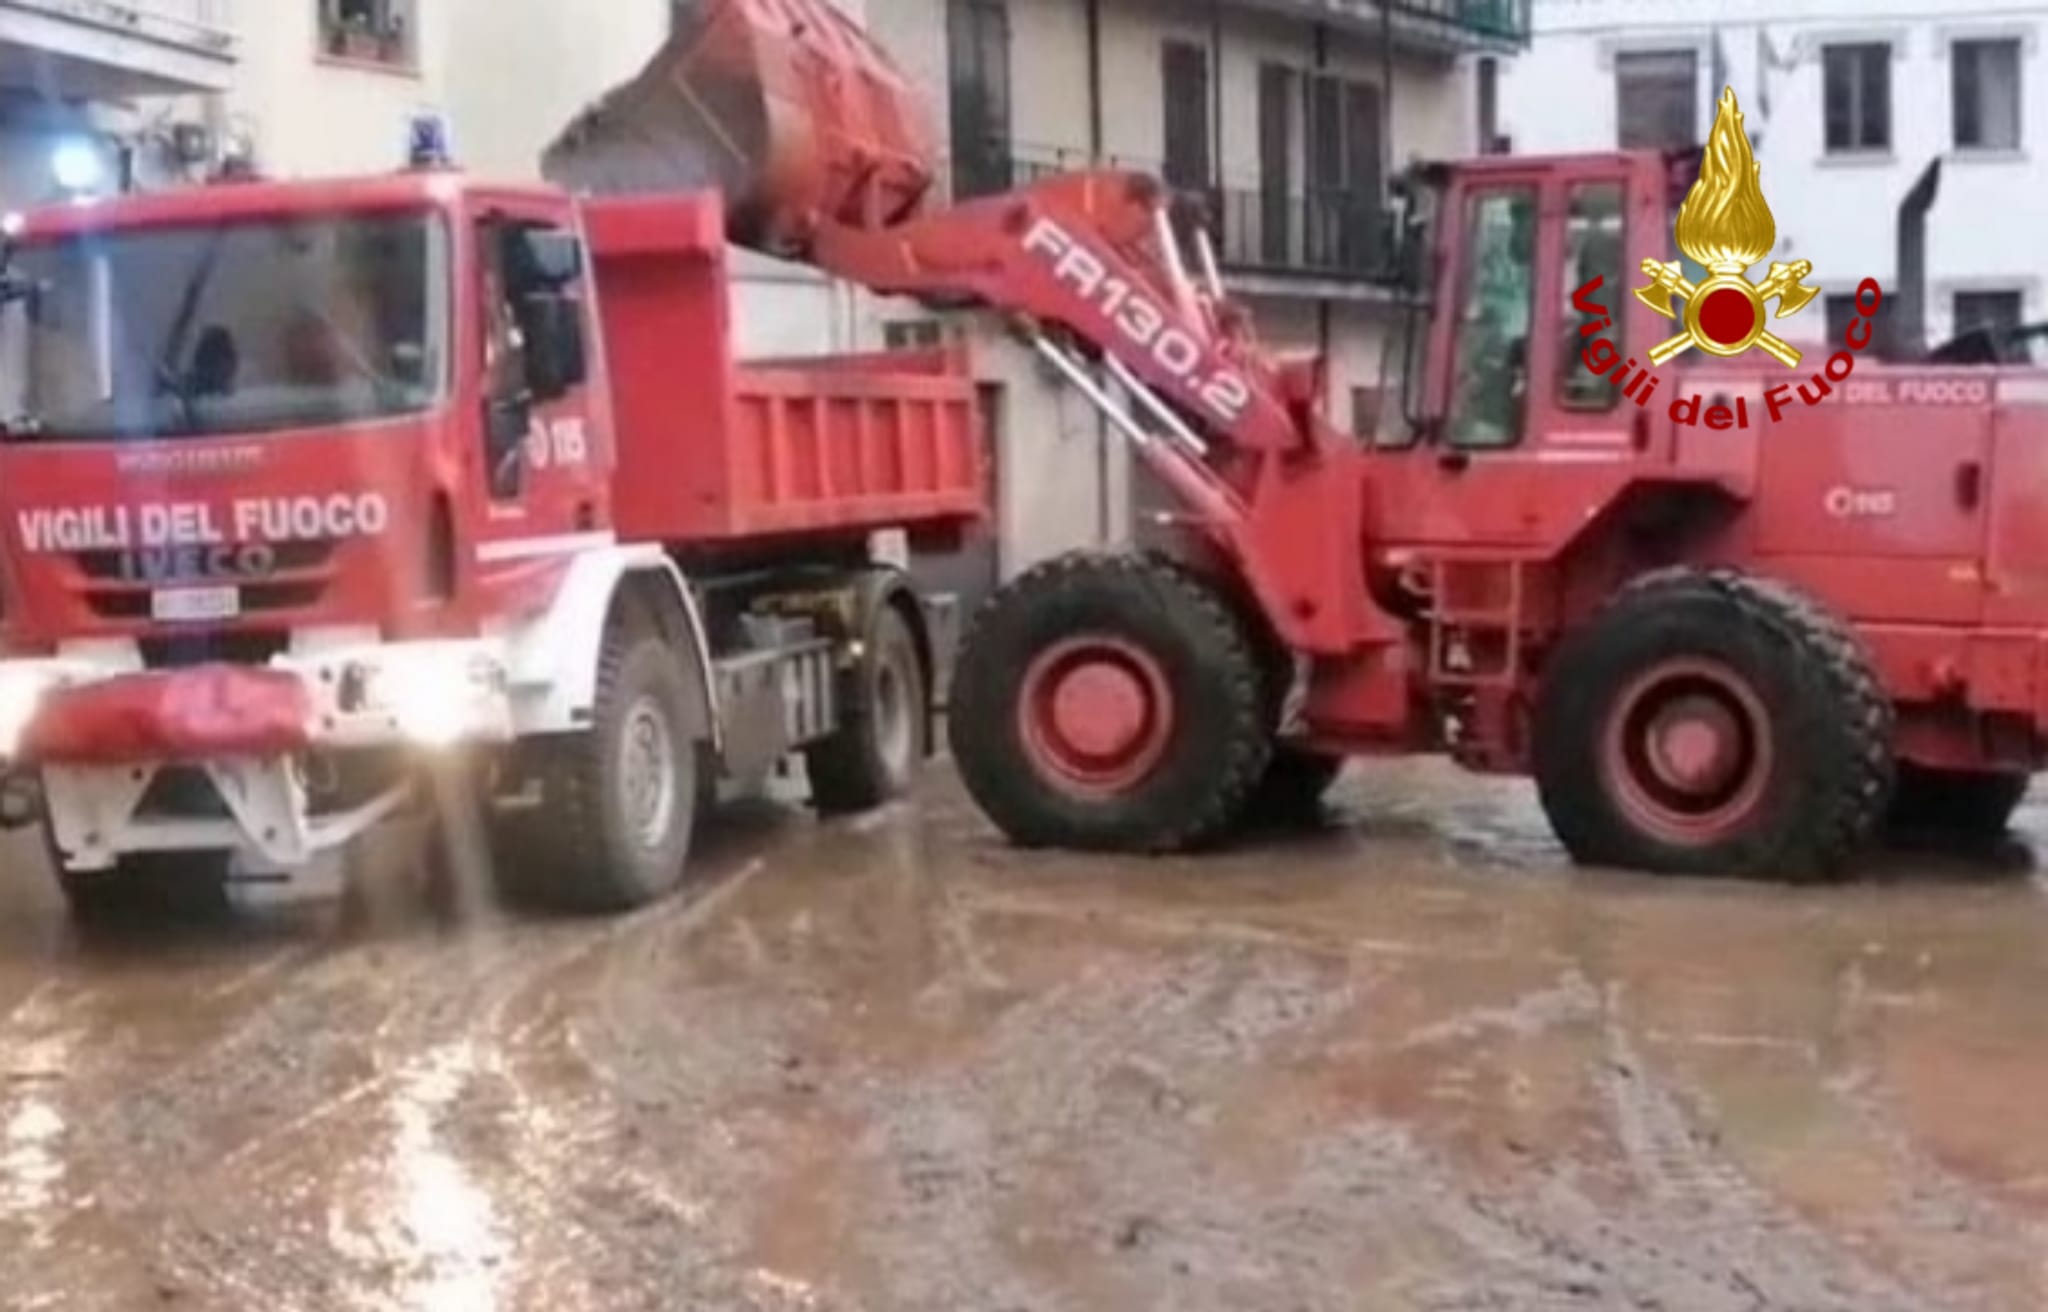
[(1107, 702), (1713, 724), (1954, 803), (873, 758), (619, 802)]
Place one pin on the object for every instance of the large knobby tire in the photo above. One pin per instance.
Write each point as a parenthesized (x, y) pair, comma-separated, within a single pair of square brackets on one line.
[(1966, 804), (874, 756), (1714, 724), (1108, 703), (619, 802)]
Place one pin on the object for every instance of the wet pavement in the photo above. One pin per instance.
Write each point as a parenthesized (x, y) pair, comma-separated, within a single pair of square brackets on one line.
[(1413, 1061)]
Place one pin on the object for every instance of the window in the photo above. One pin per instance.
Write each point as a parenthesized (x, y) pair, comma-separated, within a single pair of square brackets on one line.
[(1365, 412), (1276, 161), (1985, 80), (251, 326), (1493, 323), (1997, 312), (372, 31), (909, 334), (1857, 96), (1656, 94), (1592, 249), (1840, 308), (978, 60), (1342, 216), (1184, 75)]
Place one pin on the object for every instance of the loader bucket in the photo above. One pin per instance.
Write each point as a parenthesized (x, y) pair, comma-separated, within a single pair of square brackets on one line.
[(786, 106)]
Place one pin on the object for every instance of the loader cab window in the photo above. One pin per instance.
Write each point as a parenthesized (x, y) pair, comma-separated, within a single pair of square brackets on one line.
[(1497, 278), (1592, 249)]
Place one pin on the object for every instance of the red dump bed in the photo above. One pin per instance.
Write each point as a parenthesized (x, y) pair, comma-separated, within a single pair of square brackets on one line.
[(710, 451)]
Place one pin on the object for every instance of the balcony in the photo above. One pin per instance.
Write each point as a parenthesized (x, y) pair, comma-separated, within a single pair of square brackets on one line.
[(1274, 235), (1449, 26), (1278, 242), (101, 49)]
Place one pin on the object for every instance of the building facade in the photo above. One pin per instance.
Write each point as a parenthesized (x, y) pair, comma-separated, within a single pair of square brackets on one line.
[(1847, 101), (1281, 120), (93, 89)]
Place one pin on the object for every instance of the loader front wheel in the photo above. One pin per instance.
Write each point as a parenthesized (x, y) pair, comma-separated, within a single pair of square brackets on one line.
[(1108, 703), (1709, 723)]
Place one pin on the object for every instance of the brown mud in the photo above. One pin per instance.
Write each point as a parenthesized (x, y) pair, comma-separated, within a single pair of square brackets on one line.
[(1411, 1061)]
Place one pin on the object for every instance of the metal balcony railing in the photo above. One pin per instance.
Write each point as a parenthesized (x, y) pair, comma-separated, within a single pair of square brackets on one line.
[(1317, 233), (1446, 21), (199, 25)]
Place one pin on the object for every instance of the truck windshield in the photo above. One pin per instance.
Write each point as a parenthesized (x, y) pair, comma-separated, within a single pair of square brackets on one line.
[(232, 328)]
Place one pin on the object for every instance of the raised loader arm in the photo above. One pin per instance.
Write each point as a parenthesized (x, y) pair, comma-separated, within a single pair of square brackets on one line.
[(822, 149), (1091, 257)]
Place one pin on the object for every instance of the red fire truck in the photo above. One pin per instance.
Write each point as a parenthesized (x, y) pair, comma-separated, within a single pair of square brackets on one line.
[(306, 487)]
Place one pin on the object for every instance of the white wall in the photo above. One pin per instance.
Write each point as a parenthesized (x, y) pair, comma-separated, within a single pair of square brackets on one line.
[(1837, 212)]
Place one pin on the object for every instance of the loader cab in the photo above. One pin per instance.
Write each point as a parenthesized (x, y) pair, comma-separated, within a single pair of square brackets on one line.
[(274, 407), (1489, 356)]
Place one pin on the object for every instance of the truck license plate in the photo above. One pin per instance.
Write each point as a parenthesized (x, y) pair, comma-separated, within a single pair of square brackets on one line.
[(184, 605)]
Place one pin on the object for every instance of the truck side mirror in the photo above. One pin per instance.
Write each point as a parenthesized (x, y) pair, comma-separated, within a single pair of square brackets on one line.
[(552, 260), (556, 362)]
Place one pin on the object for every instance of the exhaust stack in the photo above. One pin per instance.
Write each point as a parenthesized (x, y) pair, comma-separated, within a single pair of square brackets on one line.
[(1905, 337), (786, 106)]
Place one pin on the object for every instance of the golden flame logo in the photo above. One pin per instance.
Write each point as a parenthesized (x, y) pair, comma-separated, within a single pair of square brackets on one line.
[(1726, 226), (1725, 223)]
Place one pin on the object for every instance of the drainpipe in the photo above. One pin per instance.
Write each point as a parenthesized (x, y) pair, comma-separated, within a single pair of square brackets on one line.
[(1215, 94), (1092, 16)]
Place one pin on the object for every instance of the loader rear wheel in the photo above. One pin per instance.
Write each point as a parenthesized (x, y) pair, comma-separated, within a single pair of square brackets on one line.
[(1108, 703), (1713, 724), (873, 758), (619, 801), (1954, 803)]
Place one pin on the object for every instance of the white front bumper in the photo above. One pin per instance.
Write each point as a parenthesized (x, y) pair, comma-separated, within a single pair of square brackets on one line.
[(430, 695)]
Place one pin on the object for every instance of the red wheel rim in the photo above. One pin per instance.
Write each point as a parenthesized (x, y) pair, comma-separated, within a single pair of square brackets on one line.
[(1095, 714), (1687, 751)]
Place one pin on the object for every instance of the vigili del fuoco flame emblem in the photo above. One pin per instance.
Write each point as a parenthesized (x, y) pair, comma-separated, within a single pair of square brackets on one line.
[(1725, 225)]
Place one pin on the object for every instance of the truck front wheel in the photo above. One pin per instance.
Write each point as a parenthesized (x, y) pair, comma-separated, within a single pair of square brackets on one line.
[(619, 802), (1109, 703)]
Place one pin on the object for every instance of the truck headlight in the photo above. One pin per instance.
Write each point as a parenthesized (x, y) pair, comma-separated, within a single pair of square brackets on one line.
[(436, 696)]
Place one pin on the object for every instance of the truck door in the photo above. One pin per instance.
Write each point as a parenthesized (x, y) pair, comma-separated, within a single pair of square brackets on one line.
[(542, 475)]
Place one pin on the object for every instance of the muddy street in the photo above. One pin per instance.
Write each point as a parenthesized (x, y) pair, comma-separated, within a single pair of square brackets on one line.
[(1413, 1060)]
